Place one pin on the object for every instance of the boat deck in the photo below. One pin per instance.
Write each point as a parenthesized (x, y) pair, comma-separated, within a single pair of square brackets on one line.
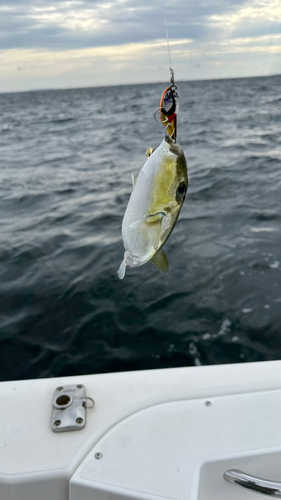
[(166, 434)]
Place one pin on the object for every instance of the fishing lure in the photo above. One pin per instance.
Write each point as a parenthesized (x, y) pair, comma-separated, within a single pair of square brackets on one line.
[(169, 107)]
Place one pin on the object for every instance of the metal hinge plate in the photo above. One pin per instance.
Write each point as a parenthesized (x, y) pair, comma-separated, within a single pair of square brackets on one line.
[(69, 408)]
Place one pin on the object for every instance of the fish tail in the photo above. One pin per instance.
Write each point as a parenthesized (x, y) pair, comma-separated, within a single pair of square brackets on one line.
[(122, 269)]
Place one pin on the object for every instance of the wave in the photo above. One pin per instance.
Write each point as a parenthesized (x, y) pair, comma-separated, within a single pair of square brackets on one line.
[(62, 120), (64, 186)]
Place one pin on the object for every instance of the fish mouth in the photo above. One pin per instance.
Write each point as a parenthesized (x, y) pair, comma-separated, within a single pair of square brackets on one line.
[(174, 148), (169, 139)]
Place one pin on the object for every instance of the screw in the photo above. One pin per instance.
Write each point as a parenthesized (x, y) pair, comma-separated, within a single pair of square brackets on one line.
[(98, 455), (208, 403), (79, 386), (59, 388), (57, 423), (79, 420)]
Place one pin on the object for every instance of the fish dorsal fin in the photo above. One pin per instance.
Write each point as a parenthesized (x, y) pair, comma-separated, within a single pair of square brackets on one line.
[(160, 260), (134, 180), (150, 227)]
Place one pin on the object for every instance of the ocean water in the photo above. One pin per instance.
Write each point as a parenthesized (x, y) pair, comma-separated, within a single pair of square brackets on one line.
[(66, 159)]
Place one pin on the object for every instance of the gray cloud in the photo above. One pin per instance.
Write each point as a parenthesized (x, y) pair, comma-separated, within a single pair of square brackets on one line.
[(209, 39), (32, 24), (258, 29)]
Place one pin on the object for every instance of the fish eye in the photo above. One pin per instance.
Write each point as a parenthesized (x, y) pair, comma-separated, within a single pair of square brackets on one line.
[(181, 190)]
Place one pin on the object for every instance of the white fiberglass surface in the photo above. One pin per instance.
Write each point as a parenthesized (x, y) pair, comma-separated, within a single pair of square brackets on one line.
[(157, 451)]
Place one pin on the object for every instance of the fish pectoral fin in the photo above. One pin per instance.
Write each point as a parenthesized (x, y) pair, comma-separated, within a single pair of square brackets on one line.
[(155, 217), (134, 180), (160, 260), (150, 229)]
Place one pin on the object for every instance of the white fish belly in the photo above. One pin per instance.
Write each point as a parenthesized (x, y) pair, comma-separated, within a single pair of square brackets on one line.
[(139, 247)]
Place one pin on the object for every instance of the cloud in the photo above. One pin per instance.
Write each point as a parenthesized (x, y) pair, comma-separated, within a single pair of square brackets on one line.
[(81, 23), (99, 42), (70, 24)]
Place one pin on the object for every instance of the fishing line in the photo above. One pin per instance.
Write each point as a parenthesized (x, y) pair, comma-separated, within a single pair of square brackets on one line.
[(169, 102), (167, 37)]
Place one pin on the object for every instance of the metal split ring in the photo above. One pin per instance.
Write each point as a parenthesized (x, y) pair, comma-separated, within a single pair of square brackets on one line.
[(159, 121), (85, 403)]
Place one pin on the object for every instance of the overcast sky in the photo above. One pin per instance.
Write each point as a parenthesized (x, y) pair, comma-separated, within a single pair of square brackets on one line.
[(59, 43)]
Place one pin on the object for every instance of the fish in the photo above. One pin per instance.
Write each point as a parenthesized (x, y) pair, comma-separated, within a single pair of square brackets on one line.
[(154, 206)]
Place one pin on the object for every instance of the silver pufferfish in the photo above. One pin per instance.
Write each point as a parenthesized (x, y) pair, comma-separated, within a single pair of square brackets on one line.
[(154, 206)]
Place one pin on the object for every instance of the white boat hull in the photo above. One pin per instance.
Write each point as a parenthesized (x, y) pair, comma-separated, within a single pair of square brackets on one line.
[(156, 435)]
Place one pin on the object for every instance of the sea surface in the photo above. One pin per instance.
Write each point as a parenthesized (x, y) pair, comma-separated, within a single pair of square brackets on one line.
[(66, 159)]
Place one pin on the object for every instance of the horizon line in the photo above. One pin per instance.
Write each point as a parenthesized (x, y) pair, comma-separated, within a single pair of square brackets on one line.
[(134, 84)]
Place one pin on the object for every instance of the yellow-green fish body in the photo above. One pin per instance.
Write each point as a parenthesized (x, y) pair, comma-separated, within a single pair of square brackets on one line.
[(154, 206)]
